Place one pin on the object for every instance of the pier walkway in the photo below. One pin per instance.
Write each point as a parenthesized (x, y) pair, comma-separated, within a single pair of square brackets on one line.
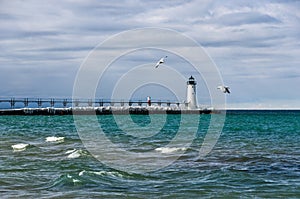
[(51, 102), (52, 106)]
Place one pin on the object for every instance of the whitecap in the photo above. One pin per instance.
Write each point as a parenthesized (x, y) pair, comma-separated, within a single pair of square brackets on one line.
[(107, 173), (75, 154), (76, 181), (81, 172), (70, 151), (19, 147), (101, 173), (54, 139), (170, 149)]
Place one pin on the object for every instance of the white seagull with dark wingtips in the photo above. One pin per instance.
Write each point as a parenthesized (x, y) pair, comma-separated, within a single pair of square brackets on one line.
[(162, 60), (224, 89)]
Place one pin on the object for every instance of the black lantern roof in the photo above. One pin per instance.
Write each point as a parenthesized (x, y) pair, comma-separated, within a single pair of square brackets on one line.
[(191, 81)]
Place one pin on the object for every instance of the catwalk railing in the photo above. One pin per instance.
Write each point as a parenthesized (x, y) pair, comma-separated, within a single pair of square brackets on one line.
[(51, 102)]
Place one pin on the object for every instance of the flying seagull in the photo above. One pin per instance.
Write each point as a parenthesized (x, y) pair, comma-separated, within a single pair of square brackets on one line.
[(224, 89), (162, 60)]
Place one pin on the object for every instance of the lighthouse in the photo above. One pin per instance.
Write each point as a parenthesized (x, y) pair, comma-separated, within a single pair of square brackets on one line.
[(191, 93)]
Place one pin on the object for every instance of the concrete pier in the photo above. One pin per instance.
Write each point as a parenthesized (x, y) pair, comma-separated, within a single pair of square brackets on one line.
[(96, 106), (99, 111)]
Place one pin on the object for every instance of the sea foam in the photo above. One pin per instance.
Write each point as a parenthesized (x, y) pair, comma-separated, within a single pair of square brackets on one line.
[(74, 154), (54, 139), (170, 149), (70, 151), (102, 173), (19, 147)]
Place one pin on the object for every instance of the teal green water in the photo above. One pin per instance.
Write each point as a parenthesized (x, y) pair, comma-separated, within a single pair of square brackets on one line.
[(256, 156)]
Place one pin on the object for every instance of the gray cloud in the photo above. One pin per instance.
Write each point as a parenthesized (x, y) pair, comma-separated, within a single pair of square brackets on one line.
[(248, 40), (242, 18)]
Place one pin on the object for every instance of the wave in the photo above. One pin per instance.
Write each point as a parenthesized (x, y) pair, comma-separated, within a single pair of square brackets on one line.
[(170, 149), (85, 178), (70, 151), (102, 173), (55, 139), (64, 180), (19, 147), (74, 154)]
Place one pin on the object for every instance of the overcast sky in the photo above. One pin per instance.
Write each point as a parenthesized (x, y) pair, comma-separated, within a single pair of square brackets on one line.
[(255, 44)]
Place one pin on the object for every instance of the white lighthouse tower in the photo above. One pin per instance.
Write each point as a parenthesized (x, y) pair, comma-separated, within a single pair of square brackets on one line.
[(191, 94)]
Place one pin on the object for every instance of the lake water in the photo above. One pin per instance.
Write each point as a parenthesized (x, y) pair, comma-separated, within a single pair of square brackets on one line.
[(257, 156)]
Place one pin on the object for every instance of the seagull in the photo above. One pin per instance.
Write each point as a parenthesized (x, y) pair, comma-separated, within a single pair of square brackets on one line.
[(162, 60), (224, 89)]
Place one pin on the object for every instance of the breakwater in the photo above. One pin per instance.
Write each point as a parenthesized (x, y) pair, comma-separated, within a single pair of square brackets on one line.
[(48, 106), (102, 111)]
